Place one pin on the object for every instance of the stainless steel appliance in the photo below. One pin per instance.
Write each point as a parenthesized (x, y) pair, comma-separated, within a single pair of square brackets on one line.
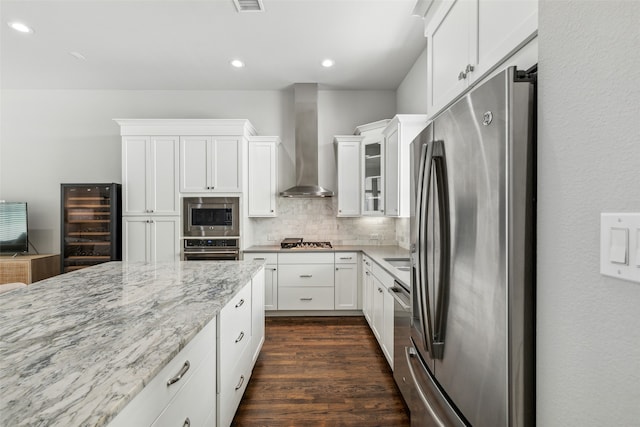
[(211, 216), (472, 352), (401, 336), (297, 243), (211, 250)]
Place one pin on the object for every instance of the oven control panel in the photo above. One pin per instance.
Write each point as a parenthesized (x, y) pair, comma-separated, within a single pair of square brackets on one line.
[(210, 243)]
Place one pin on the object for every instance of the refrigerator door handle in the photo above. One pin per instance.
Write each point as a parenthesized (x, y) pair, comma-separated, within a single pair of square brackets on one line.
[(424, 179), (443, 283)]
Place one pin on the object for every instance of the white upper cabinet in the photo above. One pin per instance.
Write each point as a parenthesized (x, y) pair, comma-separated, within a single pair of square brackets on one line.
[(149, 175), (262, 174), (399, 134), (466, 39), (348, 160), (210, 164), (372, 195)]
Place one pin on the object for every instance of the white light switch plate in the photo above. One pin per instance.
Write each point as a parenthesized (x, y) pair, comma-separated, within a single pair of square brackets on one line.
[(620, 245)]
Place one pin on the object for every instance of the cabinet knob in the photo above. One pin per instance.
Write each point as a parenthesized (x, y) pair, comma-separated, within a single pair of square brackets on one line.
[(271, 210), (462, 75), (187, 422), (469, 69)]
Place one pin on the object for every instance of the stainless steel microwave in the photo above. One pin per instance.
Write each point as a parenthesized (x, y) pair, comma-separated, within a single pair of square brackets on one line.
[(211, 216)]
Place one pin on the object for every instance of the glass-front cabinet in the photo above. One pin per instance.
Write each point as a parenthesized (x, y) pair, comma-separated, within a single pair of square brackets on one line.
[(373, 194), (91, 225), (372, 197)]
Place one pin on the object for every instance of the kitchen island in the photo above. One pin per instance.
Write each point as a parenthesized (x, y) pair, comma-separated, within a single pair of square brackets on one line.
[(77, 348)]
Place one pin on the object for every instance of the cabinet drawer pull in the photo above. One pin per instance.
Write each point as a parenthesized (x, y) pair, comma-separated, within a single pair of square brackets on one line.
[(240, 337), (306, 299), (262, 259), (346, 257), (306, 275), (240, 303), (187, 422), (180, 374), (240, 382), (379, 290)]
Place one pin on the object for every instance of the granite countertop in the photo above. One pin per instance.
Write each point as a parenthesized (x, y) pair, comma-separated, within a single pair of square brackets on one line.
[(76, 348), (378, 253)]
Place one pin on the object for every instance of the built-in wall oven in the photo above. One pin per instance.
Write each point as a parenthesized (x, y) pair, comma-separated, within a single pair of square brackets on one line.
[(211, 228), (211, 250)]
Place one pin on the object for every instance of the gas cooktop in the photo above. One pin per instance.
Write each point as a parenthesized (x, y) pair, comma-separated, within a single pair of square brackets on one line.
[(297, 243)]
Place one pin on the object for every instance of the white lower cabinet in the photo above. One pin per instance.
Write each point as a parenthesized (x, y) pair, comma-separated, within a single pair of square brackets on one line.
[(367, 289), (204, 383), (185, 388), (270, 277), (306, 281), (346, 281), (151, 238)]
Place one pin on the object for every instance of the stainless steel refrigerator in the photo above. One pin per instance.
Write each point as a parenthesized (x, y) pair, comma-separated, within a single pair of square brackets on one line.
[(472, 349)]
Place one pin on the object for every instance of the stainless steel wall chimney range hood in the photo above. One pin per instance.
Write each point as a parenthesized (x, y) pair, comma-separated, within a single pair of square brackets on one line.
[(306, 123)]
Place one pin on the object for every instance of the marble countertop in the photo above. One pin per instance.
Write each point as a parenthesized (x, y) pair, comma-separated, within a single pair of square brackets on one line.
[(76, 348), (378, 253)]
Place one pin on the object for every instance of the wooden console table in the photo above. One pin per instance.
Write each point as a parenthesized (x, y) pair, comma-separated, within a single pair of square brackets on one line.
[(28, 268)]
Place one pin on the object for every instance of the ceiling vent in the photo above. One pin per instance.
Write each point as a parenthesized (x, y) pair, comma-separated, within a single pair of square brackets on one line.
[(249, 5)]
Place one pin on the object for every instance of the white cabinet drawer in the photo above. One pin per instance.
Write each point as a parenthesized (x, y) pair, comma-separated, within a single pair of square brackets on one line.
[(305, 298), (305, 258), (196, 399), (156, 395), (233, 383), (267, 257), (306, 275), (346, 257), (235, 327)]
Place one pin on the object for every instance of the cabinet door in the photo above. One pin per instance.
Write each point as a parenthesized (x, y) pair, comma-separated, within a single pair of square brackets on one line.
[(349, 178), (162, 182), (367, 290), (225, 170), (165, 238), (346, 287), (387, 334), (263, 185), (391, 171), (136, 239), (257, 313), (502, 26), (195, 156), (135, 165), (448, 47), (377, 314), (271, 287), (373, 177)]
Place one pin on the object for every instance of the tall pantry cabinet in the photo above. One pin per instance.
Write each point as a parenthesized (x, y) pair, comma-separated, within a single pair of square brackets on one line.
[(166, 159)]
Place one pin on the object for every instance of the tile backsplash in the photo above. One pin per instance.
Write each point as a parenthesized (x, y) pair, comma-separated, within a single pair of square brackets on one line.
[(315, 220)]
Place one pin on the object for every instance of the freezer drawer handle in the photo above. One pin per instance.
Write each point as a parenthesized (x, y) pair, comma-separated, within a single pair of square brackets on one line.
[(394, 291), (411, 353)]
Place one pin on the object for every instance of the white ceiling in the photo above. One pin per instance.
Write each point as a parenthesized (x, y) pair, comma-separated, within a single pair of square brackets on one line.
[(182, 44)]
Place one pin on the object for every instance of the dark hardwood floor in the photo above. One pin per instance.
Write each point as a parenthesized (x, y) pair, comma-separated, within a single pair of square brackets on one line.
[(321, 371)]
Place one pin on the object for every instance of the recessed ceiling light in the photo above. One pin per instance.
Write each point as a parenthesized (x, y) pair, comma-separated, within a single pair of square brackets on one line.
[(20, 27), (328, 63), (237, 63)]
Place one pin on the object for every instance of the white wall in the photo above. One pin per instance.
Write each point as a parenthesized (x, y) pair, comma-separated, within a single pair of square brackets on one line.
[(411, 96), (588, 339), (59, 136)]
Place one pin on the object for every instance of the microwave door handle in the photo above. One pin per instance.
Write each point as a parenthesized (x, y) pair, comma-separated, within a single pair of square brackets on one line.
[(443, 282)]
